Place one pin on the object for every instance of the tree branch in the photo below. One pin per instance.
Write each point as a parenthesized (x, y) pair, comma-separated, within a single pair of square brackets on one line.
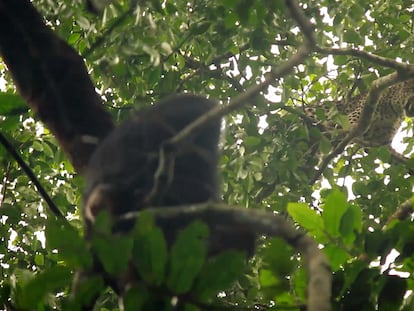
[(379, 60), (402, 213), (54, 81), (28, 171), (4, 185)]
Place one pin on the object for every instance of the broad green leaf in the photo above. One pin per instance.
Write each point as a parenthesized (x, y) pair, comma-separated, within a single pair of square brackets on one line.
[(87, 289), (150, 255), (352, 36), (277, 255), (187, 257), (334, 208), (336, 256), (267, 278), (392, 294), (136, 297), (11, 104), (271, 284), (144, 223), (37, 145), (307, 218), (67, 240), (251, 141), (218, 274), (47, 282), (39, 259), (351, 222), (114, 251)]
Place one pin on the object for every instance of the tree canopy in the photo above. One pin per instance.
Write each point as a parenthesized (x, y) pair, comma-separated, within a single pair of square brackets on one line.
[(264, 61)]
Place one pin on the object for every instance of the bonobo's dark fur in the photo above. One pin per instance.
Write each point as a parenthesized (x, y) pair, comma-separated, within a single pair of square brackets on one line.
[(121, 171)]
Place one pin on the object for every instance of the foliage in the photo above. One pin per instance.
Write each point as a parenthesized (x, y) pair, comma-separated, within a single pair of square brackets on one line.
[(137, 55)]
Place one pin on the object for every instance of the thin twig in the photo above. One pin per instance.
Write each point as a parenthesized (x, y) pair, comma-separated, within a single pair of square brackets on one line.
[(28, 171), (4, 185)]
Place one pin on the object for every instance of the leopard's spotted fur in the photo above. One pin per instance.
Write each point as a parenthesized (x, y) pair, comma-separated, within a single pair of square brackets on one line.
[(394, 104)]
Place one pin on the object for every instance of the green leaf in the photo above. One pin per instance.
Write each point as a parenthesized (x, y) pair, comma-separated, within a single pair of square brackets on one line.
[(392, 294), (144, 224), (307, 218), (325, 145), (340, 60), (88, 287), (336, 256), (39, 259), (351, 222), (47, 150), (200, 28), (5, 291), (150, 255), (37, 145), (218, 274), (272, 284), (135, 297), (114, 251), (231, 20), (251, 141), (71, 246), (267, 278), (277, 255), (187, 257), (333, 209), (352, 36), (103, 223), (44, 283), (11, 104)]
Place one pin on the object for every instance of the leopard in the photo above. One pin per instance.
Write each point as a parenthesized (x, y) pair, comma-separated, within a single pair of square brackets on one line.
[(394, 104)]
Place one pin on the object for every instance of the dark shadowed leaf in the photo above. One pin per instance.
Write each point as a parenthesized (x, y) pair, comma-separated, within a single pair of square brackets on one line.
[(218, 274), (187, 257), (11, 104)]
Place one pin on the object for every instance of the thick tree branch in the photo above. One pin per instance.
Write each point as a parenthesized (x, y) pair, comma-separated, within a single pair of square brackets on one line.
[(53, 79), (260, 223)]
